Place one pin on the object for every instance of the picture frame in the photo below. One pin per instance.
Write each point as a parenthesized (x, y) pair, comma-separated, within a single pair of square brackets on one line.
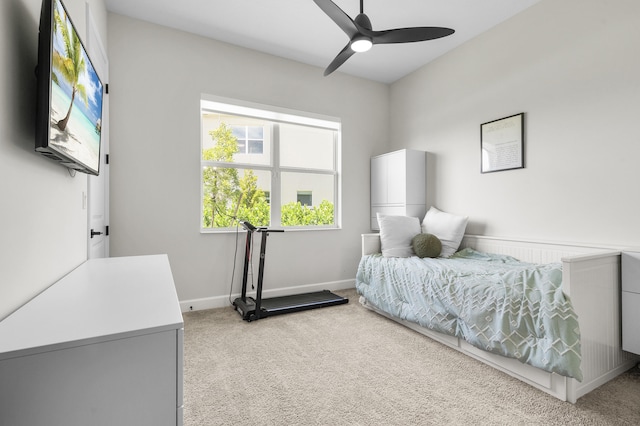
[(502, 144)]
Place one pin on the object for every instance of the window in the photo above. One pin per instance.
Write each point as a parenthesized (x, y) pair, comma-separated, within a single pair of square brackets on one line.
[(250, 138), (263, 164), (305, 198)]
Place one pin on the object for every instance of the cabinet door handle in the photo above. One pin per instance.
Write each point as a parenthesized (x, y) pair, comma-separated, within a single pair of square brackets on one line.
[(94, 233)]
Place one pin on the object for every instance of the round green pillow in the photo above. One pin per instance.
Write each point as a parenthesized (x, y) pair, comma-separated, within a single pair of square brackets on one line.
[(426, 245)]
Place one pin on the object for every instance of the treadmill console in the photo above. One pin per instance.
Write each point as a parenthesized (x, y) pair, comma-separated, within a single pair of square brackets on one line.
[(246, 225)]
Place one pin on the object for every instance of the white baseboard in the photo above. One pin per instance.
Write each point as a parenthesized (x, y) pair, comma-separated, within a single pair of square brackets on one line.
[(223, 301)]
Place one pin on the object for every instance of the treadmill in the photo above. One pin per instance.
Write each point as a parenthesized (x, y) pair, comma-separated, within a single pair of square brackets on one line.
[(251, 309)]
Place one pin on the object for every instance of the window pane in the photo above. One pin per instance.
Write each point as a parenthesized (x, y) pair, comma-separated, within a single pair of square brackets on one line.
[(321, 212), (255, 147), (239, 132), (255, 132), (231, 194), (242, 147), (306, 147)]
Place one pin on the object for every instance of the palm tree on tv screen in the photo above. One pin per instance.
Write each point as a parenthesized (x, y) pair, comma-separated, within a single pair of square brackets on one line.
[(71, 66)]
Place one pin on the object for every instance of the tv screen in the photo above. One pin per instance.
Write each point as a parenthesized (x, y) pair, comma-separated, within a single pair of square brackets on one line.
[(70, 92)]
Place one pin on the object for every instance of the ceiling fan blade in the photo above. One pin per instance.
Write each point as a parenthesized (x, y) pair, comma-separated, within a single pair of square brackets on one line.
[(408, 35), (338, 16), (345, 54)]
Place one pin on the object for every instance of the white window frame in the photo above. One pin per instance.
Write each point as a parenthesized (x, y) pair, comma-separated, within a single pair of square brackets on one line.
[(277, 115)]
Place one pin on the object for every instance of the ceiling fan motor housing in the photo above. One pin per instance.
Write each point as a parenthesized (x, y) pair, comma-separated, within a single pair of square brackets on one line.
[(363, 21)]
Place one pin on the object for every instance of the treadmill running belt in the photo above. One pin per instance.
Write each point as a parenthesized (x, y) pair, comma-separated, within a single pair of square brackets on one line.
[(299, 302)]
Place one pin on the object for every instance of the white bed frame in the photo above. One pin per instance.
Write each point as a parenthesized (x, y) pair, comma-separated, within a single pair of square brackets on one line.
[(590, 277)]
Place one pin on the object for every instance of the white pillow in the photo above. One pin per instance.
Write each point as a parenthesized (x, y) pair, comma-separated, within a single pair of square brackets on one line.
[(396, 233), (449, 228)]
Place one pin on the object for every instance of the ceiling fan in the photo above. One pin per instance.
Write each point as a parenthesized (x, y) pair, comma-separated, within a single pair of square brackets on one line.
[(362, 37)]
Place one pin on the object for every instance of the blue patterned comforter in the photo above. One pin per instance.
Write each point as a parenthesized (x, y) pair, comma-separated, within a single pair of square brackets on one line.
[(494, 302)]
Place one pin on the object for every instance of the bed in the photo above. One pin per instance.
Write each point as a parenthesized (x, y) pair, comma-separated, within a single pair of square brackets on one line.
[(589, 278)]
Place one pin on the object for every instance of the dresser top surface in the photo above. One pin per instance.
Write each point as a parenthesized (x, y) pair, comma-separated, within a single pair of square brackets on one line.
[(101, 300)]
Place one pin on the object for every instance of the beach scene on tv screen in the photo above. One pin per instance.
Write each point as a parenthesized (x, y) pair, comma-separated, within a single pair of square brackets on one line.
[(76, 96)]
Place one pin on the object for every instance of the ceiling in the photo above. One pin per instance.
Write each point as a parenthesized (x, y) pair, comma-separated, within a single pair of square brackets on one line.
[(299, 29)]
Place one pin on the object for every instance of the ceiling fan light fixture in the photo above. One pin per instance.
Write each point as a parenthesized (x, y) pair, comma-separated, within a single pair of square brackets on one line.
[(362, 36), (361, 44)]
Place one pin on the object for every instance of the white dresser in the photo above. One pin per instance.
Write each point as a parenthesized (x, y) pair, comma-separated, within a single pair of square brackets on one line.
[(102, 346), (398, 184), (630, 263)]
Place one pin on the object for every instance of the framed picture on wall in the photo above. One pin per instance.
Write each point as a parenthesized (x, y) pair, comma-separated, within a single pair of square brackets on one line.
[(502, 144)]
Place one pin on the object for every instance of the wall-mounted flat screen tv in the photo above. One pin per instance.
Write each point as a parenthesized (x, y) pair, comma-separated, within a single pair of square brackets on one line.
[(70, 94)]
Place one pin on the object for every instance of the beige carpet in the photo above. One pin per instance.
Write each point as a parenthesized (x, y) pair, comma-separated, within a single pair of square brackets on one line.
[(345, 365)]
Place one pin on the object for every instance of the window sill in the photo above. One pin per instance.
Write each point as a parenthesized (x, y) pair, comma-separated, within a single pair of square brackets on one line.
[(287, 229)]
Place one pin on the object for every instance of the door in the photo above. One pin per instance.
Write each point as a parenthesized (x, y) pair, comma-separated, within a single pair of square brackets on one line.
[(98, 186)]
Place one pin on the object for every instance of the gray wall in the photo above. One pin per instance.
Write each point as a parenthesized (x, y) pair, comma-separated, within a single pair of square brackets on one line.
[(157, 77), (573, 68), (42, 221)]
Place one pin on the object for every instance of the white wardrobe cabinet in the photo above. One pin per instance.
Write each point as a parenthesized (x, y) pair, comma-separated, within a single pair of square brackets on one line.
[(102, 346), (398, 184), (630, 263)]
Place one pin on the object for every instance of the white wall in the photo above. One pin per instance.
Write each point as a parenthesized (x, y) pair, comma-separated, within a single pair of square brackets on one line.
[(573, 68), (42, 223), (157, 77)]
